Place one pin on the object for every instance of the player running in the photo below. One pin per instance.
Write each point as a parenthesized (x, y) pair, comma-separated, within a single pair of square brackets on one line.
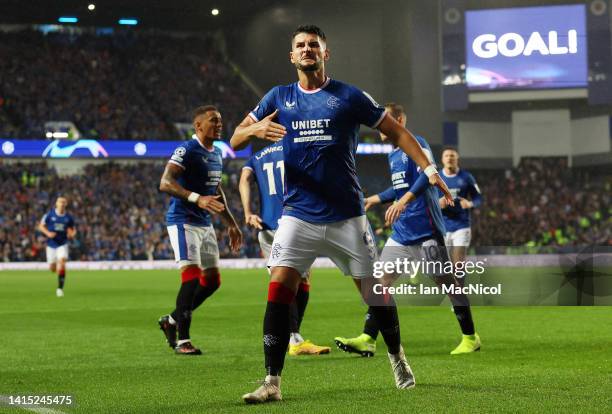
[(192, 177), (58, 226), (457, 218), (266, 169), (418, 234), (323, 214)]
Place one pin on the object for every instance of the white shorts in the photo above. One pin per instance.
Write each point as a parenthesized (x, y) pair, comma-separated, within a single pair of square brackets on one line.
[(430, 253), (348, 243), (194, 245), (55, 254), (266, 237), (459, 238)]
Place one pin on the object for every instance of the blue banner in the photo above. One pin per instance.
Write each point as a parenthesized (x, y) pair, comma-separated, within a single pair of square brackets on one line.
[(91, 148)]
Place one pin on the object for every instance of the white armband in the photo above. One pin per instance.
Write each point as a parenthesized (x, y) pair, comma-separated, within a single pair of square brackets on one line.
[(193, 197), (430, 170)]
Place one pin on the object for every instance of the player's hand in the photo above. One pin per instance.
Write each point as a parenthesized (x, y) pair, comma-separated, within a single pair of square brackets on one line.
[(369, 203), (443, 203), (254, 220), (436, 180), (211, 203), (465, 204), (235, 238), (51, 234), (393, 212), (268, 129)]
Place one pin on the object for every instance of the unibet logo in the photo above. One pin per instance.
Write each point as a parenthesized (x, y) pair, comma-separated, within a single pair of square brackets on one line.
[(488, 45)]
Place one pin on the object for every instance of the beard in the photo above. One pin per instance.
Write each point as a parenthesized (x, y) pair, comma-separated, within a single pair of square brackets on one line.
[(313, 67)]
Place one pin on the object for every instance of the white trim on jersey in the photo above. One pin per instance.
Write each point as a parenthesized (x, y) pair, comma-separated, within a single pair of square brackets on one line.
[(377, 123), (176, 163), (253, 117), (327, 80)]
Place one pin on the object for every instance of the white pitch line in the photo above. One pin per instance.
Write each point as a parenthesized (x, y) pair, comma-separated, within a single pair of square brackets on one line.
[(4, 400)]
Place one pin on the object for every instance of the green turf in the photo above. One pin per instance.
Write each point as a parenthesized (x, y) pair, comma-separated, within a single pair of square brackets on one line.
[(101, 344)]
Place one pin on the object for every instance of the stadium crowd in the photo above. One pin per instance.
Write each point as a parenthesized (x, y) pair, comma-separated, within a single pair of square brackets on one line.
[(131, 85), (543, 202), (120, 212)]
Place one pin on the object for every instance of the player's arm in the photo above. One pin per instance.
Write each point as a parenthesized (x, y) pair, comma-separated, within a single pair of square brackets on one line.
[(383, 197), (44, 230), (71, 232), (42, 227), (235, 235), (244, 187), (404, 139), (416, 189), (474, 194), (169, 184), (265, 129)]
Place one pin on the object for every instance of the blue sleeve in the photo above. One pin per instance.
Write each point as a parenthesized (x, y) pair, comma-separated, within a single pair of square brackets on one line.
[(387, 196), (421, 183), (180, 156), (249, 164), (366, 109), (266, 106), (45, 220), (474, 192), (70, 222)]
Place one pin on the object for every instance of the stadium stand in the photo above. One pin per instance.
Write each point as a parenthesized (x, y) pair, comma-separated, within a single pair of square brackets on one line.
[(120, 212), (132, 85)]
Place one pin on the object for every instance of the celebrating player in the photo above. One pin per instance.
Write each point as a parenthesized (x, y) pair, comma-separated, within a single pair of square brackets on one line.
[(58, 227), (323, 205), (418, 234), (192, 177), (266, 168), (467, 196)]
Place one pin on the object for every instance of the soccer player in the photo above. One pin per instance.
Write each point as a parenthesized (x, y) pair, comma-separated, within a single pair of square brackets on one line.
[(467, 196), (318, 121), (192, 177), (418, 234), (58, 226), (266, 169)]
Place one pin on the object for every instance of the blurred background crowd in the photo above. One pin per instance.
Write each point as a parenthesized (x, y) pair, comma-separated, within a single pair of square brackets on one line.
[(120, 213), (132, 85)]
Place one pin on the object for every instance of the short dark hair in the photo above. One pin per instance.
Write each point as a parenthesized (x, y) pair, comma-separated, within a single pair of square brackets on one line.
[(449, 148), (395, 109), (311, 29), (201, 110)]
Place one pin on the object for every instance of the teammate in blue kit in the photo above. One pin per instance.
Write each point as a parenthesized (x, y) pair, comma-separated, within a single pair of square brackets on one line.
[(193, 178), (318, 122), (418, 234), (58, 226), (267, 169), (467, 196)]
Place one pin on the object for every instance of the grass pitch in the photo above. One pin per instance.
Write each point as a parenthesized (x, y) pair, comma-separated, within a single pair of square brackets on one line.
[(101, 344)]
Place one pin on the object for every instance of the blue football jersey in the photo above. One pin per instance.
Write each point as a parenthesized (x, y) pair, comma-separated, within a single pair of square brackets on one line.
[(319, 147), (462, 184), (58, 224), (422, 219), (202, 170), (269, 169)]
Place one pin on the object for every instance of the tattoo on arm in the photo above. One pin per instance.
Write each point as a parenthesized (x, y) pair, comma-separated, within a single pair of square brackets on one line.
[(169, 182)]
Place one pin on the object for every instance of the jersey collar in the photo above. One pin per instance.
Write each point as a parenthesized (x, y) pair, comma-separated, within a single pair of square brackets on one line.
[(202, 145), (307, 91), (450, 175), (58, 214)]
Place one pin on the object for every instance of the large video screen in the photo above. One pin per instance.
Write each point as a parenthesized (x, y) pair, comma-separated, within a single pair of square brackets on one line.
[(526, 48)]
